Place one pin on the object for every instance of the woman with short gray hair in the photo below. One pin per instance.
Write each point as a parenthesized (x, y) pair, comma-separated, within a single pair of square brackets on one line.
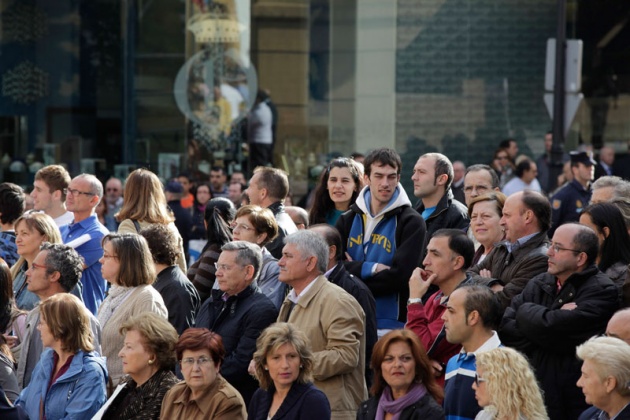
[(605, 379)]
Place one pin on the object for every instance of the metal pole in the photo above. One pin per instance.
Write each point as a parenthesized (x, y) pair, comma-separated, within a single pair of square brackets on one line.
[(129, 103), (557, 148)]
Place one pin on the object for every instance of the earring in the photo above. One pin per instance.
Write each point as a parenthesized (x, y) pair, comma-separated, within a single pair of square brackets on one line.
[(151, 362), (266, 368), (301, 366)]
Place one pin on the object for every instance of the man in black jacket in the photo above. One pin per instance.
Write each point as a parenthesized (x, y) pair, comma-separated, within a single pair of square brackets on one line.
[(337, 274), (432, 178), (559, 310), (238, 312)]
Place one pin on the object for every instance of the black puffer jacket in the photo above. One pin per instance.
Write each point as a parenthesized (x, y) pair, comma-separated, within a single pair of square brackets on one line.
[(536, 325)]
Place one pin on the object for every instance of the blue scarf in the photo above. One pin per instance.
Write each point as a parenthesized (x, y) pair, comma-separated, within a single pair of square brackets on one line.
[(387, 404)]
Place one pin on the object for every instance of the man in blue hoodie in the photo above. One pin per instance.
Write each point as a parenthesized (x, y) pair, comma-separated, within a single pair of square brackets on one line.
[(383, 238)]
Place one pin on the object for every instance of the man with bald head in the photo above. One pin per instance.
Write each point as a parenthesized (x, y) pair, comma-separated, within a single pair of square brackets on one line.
[(559, 310), (619, 325)]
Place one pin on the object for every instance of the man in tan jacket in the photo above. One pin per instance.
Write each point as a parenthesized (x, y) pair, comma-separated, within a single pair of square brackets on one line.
[(331, 318)]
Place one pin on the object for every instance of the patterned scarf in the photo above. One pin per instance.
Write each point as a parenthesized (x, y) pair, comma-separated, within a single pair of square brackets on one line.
[(116, 296)]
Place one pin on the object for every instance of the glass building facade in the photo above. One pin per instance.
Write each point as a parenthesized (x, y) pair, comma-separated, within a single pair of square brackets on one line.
[(105, 86)]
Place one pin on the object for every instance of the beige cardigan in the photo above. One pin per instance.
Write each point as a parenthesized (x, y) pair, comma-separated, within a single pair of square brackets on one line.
[(143, 299), (127, 226)]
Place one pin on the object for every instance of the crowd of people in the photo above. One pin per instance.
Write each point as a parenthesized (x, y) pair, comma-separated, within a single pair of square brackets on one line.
[(496, 295)]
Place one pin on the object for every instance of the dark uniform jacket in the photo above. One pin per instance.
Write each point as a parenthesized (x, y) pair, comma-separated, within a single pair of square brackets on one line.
[(239, 321), (514, 270), (567, 204), (536, 325)]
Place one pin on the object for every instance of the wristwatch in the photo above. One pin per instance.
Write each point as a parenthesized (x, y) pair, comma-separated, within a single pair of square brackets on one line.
[(411, 301)]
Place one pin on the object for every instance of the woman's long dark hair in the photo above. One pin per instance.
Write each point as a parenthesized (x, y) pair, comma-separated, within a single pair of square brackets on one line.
[(322, 203), (219, 214), (616, 246)]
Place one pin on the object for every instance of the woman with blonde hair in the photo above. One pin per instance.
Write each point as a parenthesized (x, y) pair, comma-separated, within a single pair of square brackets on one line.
[(144, 205), (69, 379), (31, 231), (605, 379), (506, 388), (127, 264), (284, 365)]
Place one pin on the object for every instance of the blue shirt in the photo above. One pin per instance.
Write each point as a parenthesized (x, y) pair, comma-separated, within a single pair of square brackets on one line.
[(85, 237)]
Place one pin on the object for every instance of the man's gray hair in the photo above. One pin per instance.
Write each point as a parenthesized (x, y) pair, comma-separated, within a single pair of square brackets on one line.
[(620, 187), (96, 186), (66, 261), (247, 253), (310, 244)]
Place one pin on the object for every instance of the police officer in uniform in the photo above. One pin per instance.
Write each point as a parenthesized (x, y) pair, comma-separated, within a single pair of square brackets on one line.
[(570, 200)]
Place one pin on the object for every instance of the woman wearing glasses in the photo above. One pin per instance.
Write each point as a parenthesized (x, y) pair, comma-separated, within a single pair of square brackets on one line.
[(258, 225), (128, 266), (338, 188), (218, 216), (148, 357), (203, 394), (506, 388), (404, 384)]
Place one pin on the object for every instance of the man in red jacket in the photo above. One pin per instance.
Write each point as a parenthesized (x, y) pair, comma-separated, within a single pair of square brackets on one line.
[(448, 255)]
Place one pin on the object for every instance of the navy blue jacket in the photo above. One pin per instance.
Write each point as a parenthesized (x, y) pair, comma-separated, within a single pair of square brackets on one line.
[(303, 402), (567, 204)]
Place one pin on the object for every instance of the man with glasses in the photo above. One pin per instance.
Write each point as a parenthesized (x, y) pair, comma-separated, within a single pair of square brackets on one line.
[(472, 313), (523, 254), (558, 310), (85, 233), (56, 269), (238, 312)]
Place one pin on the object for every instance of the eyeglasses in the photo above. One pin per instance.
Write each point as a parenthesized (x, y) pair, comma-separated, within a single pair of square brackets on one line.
[(240, 226), (107, 256), (479, 188), (76, 193), (557, 248), (479, 379), (35, 265), (189, 362), (502, 157)]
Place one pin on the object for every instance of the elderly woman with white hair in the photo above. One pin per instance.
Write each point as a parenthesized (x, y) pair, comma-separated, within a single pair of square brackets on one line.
[(605, 379)]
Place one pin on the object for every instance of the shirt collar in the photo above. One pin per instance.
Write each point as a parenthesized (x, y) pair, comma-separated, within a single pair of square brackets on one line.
[(492, 343), (519, 242), (294, 297)]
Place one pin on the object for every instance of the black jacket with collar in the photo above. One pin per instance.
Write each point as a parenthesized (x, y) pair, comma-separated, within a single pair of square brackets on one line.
[(448, 214), (239, 321)]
